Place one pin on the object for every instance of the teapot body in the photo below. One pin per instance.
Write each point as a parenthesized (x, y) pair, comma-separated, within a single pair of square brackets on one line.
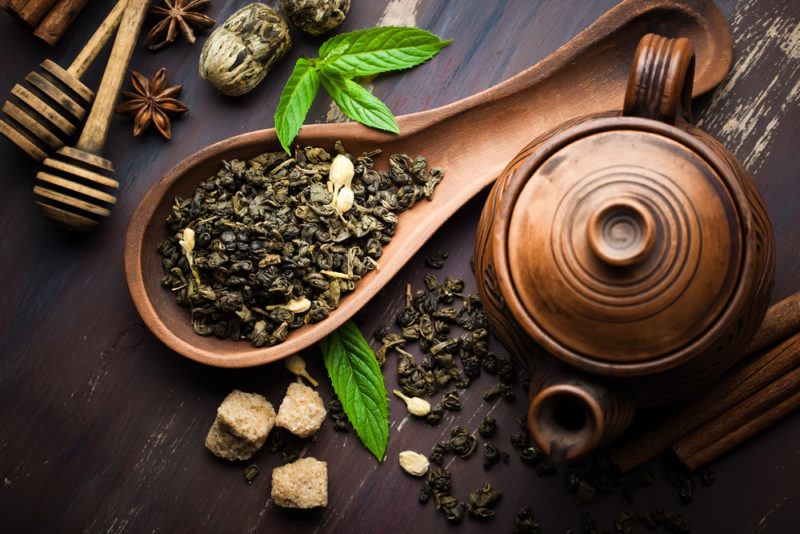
[(625, 259)]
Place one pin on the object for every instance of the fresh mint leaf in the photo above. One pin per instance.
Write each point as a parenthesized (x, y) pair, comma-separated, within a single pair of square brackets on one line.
[(375, 50), (359, 104), (295, 101), (358, 382)]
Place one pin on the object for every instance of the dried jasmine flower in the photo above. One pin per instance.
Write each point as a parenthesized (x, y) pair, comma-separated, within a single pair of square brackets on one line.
[(462, 443), (499, 390), (451, 401), (525, 523), (297, 366), (436, 415), (415, 405), (481, 502), (487, 427), (492, 455), (413, 463), (436, 259), (250, 473)]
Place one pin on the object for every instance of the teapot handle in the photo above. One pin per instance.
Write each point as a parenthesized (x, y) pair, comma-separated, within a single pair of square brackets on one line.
[(660, 84)]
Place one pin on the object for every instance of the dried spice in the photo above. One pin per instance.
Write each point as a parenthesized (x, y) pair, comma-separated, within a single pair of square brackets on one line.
[(481, 502), (487, 427), (152, 101), (250, 473), (499, 390), (525, 523), (492, 455), (268, 238), (623, 523), (462, 443), (238, 55), (451, 401), (183, 15), (436, 259), (316, 17)]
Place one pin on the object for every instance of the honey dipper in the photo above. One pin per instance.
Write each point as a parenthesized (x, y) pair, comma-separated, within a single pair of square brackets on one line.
[(51, 106), (75, 188)]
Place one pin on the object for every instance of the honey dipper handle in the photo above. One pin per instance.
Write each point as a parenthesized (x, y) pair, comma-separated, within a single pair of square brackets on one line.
[(660, 84), (96, 43), (94, 133)]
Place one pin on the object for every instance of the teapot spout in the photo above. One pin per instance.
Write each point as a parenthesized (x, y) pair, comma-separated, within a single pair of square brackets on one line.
[(570, 416)]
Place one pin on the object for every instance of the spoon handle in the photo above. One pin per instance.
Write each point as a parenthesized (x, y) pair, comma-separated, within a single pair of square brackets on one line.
[(95, 44), (94, 134)]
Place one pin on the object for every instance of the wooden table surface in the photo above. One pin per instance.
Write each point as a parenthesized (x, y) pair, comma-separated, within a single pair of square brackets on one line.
[(102, 427)]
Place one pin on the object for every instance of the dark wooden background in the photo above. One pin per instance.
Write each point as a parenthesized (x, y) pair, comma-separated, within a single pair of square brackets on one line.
[(101, 427)]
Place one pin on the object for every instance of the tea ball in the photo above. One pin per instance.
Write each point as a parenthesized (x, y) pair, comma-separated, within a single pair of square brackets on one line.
[(316, 17), (240, 53)]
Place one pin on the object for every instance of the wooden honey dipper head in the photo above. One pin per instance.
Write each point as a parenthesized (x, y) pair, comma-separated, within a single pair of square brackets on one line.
[(51, 104), (75, 188)]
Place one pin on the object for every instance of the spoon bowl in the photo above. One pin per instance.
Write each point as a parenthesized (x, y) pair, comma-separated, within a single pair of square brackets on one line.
[(472, 140)]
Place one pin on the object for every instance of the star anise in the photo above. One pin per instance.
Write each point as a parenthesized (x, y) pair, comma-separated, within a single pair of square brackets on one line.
[(177, 14), (150, 101)]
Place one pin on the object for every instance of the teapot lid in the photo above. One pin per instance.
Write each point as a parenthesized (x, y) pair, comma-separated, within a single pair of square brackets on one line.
[(624, 243), (624, 239)]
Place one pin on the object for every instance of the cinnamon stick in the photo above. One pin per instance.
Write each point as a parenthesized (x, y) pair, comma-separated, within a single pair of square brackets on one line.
[(5, 4), (742, 422), (17, 5), (781, 321), (747, 378), (35, 10), (58, 20)]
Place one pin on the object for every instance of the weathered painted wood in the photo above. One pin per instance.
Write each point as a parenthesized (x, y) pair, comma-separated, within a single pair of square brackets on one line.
[(101, 427)]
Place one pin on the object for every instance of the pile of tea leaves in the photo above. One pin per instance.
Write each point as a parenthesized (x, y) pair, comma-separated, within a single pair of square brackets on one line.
[(450, 329), (270, 244)]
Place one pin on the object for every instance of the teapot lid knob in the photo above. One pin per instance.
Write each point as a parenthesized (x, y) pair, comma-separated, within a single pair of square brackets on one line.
[(621, 232)]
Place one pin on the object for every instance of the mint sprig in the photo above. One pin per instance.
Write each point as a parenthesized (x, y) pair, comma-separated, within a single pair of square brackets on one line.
[(344, 57), (358, 382)]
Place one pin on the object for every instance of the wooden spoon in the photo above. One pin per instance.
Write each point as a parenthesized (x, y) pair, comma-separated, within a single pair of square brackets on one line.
[(472, 140), (52, 104)]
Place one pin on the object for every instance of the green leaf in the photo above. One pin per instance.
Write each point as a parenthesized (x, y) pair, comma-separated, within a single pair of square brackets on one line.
[(359, 104), (375, 50), (295, 101), (358, 382)]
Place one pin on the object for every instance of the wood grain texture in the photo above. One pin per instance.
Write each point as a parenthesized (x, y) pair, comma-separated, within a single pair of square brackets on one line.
[(58, 20), (102, 426)]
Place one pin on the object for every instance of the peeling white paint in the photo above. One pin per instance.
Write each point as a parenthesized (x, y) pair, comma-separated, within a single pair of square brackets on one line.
[(748, 126)]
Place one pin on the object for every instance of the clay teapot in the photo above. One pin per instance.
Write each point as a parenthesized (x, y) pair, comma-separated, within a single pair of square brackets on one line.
[(624, 258)]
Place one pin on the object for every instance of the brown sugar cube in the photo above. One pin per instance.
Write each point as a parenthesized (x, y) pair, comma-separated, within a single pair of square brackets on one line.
[(227, 446), (302, 410), (241, 427), (248, 416), (302, 484)]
